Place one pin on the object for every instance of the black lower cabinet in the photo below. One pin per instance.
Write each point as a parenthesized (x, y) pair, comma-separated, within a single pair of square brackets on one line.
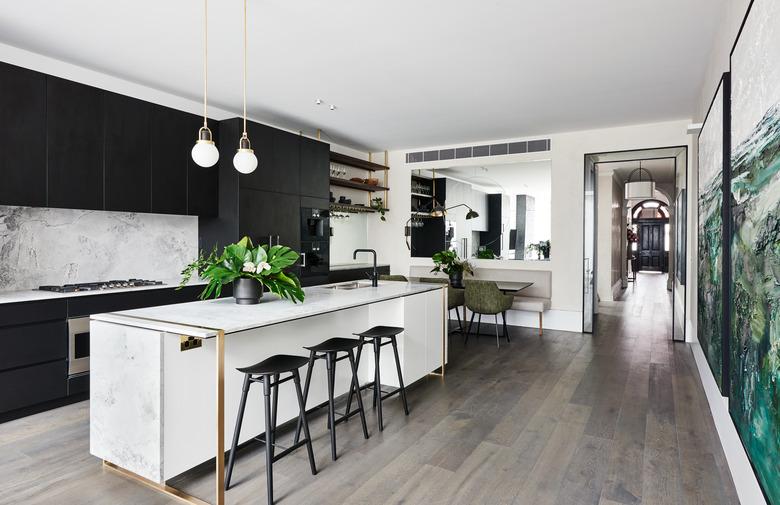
[(27, 386), (34, 342)]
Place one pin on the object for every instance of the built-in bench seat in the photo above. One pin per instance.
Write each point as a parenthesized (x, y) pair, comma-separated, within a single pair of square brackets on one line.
[(532, 304), (535, 298)]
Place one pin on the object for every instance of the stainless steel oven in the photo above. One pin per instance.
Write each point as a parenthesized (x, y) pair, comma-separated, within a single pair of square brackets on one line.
[(78, 345)]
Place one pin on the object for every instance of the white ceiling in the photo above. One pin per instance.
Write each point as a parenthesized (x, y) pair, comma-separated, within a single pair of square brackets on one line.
[(402, 73)]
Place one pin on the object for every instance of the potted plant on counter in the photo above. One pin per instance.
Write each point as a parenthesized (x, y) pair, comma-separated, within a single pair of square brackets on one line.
[(249, 269), (448, 262)]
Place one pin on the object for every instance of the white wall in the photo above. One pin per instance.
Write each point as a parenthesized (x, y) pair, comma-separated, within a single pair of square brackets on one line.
[(604, 181), (567, 159), (348, 234)]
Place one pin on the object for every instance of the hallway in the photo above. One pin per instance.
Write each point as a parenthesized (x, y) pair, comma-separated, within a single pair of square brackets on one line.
[(618, 417)]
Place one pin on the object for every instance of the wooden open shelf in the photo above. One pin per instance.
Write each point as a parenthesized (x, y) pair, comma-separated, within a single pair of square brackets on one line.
[(344, 207), (356, 162), (345, 183)]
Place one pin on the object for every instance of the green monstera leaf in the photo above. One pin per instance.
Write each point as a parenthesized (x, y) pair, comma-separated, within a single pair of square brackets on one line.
[(265, 264)]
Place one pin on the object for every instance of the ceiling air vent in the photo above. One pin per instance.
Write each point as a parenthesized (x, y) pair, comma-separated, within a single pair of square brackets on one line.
[(528, 146)]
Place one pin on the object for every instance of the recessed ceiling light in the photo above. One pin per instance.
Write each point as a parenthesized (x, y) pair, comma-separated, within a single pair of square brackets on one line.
[(318, 101), (332, 107)]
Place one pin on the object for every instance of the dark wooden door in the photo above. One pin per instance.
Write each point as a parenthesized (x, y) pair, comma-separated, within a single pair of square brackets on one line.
[(651, 246), (23, 141), (128, 157), (74, 128)]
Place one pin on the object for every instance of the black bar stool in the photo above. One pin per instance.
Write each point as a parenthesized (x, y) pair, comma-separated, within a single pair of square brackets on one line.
[(267, 372), (376, 334), (328, 350)]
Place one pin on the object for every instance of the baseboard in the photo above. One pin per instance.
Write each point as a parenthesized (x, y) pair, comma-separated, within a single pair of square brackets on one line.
[(748, 489), (563, 320)]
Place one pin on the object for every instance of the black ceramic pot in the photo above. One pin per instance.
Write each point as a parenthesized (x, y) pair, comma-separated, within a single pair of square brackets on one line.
[(456, 279), (247, 291)]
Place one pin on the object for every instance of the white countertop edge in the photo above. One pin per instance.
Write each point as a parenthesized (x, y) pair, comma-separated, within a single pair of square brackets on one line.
[(137, 322), (128, 318)]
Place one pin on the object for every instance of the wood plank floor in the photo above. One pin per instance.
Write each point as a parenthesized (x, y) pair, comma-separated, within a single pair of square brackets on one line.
[(618, 417)]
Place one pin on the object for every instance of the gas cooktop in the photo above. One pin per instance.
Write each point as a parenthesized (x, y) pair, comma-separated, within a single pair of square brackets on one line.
[(100, 286)]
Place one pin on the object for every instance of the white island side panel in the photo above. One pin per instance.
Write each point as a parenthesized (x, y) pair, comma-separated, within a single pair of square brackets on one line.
[(125, 401)]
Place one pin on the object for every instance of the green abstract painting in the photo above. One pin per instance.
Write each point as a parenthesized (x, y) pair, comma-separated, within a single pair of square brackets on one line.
[(710, 259), (754, 395)]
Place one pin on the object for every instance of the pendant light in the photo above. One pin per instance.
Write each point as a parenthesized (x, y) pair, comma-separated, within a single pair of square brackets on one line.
[(204, 152), (245, 160), (640, 189)]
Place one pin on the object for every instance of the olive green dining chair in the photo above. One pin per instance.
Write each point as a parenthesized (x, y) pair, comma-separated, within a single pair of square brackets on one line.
[(484, 297), (455, 297)]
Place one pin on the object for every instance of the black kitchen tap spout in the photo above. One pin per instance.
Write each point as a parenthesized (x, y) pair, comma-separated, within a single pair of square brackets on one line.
[(374, 274)]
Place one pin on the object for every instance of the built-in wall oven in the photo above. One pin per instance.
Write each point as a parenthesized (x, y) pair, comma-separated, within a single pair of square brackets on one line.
[(315, 246), (78, 345)]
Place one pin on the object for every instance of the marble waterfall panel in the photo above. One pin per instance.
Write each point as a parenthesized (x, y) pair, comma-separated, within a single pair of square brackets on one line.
[(59, 246), (754, 393), (711, 225), (126, 384)]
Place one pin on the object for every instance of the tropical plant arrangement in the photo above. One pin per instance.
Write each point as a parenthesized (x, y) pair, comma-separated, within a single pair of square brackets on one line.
[(542, 249), (250, 269), (447, 261)]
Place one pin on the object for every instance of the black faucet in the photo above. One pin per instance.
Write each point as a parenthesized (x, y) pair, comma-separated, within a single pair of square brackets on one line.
[(374, 275)]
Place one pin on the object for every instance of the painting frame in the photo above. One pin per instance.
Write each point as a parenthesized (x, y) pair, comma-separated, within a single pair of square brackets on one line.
[(754, 398), (714, 235)]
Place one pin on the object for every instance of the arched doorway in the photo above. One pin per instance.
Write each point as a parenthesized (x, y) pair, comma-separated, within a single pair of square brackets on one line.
[(650, 222)]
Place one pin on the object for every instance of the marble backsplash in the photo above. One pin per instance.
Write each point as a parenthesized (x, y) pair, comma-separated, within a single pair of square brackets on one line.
[(59, 246)]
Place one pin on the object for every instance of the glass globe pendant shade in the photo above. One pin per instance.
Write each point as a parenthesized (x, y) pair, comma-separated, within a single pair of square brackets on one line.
[(245, 160), (204, 153)]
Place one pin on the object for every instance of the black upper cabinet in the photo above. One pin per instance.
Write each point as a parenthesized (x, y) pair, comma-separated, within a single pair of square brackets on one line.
[(128, 157), (269, 217), (284, 173), (74, 130), (202, 183), (170, 153), (315, 168), (23, 141)]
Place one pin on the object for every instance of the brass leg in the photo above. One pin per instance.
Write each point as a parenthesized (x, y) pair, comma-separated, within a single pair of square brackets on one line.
[(444, 332), (540, 325), (162, 488), (220, 481)]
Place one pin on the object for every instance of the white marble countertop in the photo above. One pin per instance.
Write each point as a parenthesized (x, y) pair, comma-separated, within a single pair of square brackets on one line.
[(355, 266), (32, 295), (200, 319)]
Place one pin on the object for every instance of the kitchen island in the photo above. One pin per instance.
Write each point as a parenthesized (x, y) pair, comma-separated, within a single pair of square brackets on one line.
[(164, 382)]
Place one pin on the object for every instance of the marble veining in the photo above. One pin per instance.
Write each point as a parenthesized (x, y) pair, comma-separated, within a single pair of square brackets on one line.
[(140, 447), (60, 246)]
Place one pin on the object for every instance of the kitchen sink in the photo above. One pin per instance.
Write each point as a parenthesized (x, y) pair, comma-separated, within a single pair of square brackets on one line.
[(349, 285)]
